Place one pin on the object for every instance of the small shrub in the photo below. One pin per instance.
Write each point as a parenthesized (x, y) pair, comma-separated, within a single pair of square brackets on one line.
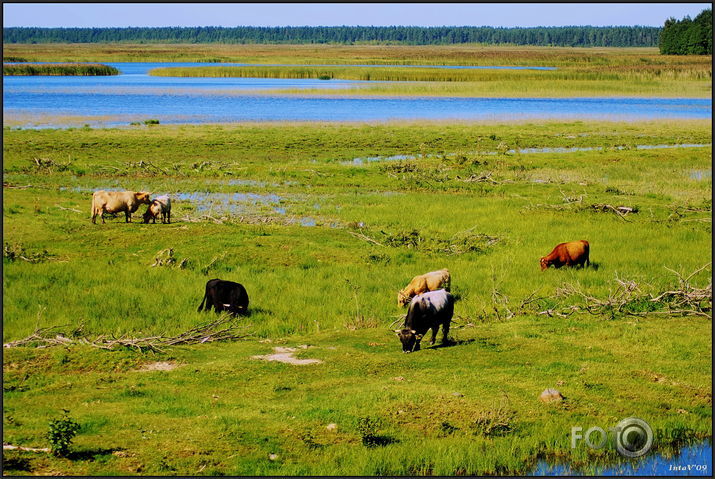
[(367, 428), (60, 434), (151, 122)]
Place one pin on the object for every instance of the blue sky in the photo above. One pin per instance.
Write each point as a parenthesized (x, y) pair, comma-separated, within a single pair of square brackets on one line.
[(276, 14)]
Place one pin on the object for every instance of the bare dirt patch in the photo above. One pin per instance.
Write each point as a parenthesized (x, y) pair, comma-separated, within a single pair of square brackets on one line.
[(158, 366), (285, 355)]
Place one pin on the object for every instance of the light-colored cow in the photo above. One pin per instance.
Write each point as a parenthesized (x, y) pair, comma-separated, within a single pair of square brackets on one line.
[(117, 201), (160, 206), (431, 281)]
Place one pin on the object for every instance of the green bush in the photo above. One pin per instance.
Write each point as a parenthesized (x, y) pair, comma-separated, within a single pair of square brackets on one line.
[(60, 434)]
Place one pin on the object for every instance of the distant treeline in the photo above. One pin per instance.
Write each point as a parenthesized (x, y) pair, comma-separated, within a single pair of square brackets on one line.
[(688, 37), (587, 36)]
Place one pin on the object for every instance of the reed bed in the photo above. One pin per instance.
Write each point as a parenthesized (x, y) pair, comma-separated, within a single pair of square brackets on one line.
[(59, 69), (436, 74), (473, 54)]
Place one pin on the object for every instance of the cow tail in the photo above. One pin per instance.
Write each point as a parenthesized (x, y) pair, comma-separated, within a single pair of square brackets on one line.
[(201, 306)]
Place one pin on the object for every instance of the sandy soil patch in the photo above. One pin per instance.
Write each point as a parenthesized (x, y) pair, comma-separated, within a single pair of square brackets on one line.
[(159, 366), (285, 355)]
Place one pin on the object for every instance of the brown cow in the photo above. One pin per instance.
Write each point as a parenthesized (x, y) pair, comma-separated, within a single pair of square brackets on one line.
[(116, 201), (573, 253)]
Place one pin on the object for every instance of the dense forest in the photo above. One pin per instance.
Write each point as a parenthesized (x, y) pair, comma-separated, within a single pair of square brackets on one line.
[(587, 36), (688, 37)]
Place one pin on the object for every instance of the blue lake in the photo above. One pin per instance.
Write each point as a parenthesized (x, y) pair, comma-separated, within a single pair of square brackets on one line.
[(693, 460), (135, 96)]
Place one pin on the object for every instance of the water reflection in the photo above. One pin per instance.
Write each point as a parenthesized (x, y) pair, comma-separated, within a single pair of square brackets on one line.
[(694, 460)]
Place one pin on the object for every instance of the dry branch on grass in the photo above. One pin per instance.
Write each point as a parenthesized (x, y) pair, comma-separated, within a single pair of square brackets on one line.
[(8, 185), (628, 299), (621, 211), (10, 447), (485, 178), (219, 330)]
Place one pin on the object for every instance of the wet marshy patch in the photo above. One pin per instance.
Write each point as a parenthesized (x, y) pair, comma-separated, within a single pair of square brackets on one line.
[(503, 149), (701, 175), (231, 203)]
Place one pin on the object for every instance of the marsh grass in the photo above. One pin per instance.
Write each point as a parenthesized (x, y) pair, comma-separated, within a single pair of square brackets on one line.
[(221, 412), (649, 80), (58, 69), (581, 71)]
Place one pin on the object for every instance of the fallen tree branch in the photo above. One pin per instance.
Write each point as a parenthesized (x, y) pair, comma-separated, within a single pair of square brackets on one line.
[(364, 238), (10, 447), (219, 330), (627, 299), (68, 209)]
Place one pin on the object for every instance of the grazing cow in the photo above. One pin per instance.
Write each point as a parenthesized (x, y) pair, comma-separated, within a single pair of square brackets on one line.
[(431, 281), (116, 201), (426, 311), (160, 205), (573, 253), (225, 296)]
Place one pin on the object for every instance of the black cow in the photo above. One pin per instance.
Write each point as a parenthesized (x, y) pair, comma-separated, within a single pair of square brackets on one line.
[(225, 296), (427, 311)]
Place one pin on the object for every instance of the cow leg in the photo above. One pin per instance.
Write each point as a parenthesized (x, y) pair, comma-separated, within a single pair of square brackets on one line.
[(445, 332), (434, 334), (218, 305), (168, 217), (102, 215)]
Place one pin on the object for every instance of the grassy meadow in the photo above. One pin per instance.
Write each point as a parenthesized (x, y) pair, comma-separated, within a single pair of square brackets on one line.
[(323, 230)]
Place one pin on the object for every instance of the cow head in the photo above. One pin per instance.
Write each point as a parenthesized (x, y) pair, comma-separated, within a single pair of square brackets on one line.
[(143, 197), (410, 339), (544, 263), (402, 298), (148, 215)]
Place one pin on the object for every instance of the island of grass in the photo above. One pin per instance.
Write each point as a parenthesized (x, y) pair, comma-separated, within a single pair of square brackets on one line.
[(59, 69), (670, 80)]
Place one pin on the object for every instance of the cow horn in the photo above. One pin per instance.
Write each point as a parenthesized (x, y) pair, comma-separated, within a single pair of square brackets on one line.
[(398, 331), (413, 331)]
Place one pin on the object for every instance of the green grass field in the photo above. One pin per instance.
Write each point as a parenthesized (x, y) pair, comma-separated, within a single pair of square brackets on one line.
[(294, 212)]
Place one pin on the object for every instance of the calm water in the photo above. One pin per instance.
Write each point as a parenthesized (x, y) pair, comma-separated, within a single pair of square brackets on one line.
[(695, 460), (136, 96)]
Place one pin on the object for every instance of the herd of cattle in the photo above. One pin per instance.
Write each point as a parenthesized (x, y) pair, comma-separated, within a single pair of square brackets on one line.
[(113, 202), (430, 303)]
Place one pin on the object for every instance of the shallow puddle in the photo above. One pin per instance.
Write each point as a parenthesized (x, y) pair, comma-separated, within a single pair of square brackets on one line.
[(228, 202), (700, 175), (694, 460), (525, 151)]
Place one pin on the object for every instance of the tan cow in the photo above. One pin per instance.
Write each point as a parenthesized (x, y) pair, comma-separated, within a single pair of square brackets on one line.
[(117, 201), (431, 281), (160, 206)]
